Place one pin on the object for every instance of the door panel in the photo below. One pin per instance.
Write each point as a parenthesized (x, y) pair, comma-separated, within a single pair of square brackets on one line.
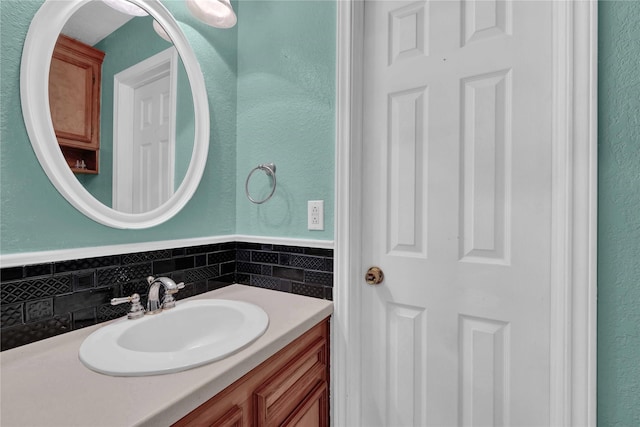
[(152, 154), (457, 196)]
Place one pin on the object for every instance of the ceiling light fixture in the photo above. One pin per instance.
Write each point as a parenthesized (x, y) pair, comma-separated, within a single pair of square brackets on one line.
[(216, 13), (160, 31)]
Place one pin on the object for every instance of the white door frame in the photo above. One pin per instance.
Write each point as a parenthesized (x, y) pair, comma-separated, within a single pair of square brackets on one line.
[(124, 85), (574, 210)]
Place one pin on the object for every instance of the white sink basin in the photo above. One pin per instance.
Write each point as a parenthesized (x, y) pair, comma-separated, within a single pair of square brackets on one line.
[(192, 334)]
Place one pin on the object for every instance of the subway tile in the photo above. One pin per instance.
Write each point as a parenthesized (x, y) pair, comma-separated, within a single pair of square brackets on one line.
[(289, 249), (264, 257), (307, 262), (246, 267), (246, 245), (243, 278), (86, 264), (319, 252), (83, 318), (221, 256), (38, 270), (289, 273), (167, 266), (18, 335), (243, 255), (228, 245), (319, 278), (141, 257), (265, 282), (284, 258), (328, 293), (11, 273), (127, 273), (199, 274), (307, 290), (178, 252), (11, 314), (203, 249), (84, 280), (84, 299), (200, 260), (227, 267), (225, 278), (33, 289), (38, 310), (217, 284), (106, 312), (285, 285)]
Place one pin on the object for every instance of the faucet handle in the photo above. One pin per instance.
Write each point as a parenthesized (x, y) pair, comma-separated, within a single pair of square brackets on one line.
[(174, 290), (137, 311), (169, 301)]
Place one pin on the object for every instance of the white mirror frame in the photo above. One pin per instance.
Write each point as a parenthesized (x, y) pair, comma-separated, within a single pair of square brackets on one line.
[(34, 93)]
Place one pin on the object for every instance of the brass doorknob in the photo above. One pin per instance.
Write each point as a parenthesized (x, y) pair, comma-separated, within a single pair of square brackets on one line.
[(374, 276)]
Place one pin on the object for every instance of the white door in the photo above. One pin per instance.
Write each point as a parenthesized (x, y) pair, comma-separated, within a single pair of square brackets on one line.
[(152, 152), (144, 133), (457, 202)]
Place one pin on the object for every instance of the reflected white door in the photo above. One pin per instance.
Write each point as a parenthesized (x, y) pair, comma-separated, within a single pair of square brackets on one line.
[(144, 133), (457, 202), (152, 153)]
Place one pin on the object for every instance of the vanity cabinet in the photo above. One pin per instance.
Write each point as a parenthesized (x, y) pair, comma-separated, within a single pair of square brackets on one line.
[(74, 101), (291, 388)]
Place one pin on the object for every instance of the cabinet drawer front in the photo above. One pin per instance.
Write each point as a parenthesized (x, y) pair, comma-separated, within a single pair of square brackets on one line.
[(281, 394)]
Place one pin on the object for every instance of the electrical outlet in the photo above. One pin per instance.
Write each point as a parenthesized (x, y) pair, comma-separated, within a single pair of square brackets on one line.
[(315, 214)]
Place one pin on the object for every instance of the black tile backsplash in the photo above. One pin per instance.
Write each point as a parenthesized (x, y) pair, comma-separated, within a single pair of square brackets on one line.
[(43, 300)]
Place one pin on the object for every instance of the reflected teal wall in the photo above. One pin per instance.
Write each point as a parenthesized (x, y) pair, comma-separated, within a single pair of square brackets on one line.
[(120, 54), (619, 214), (286, 114), (34, 217)]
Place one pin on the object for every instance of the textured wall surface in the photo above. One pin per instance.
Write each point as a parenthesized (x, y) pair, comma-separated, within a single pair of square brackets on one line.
[(33, 216), (619, 214), (286, 114)]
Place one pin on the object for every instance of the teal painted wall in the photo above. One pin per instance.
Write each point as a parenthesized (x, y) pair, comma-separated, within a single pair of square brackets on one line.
[(619, 214), (34, 217), (286, 114)]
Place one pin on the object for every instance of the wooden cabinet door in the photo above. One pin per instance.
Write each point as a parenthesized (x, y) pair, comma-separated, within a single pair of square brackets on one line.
[(283, 393), (233, 418), (313, 411), (74, 93)]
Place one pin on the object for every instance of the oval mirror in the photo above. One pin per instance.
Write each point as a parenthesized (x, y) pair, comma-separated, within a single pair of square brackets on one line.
[(114, 193)]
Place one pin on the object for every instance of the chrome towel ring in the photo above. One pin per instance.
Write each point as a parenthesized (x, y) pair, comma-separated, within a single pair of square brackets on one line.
[(270, 170)]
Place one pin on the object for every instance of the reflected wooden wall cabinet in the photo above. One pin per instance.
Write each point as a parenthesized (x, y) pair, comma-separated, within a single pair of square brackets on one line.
[(291, 388), (74, 101)]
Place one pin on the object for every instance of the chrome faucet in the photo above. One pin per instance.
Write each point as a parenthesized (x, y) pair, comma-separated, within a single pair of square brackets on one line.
[(170, 288)]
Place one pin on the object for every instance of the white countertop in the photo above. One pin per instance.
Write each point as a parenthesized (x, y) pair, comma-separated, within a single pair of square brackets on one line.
[(45, 384)]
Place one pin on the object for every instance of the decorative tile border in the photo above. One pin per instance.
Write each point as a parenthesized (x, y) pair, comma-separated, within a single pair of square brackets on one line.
[(43, 300)]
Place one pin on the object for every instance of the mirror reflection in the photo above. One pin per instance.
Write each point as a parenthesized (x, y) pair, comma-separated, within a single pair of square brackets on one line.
[(129, 136)]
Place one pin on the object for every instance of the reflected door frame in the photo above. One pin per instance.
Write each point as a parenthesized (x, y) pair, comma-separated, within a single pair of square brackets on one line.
[(125, 84), (573, 299)]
